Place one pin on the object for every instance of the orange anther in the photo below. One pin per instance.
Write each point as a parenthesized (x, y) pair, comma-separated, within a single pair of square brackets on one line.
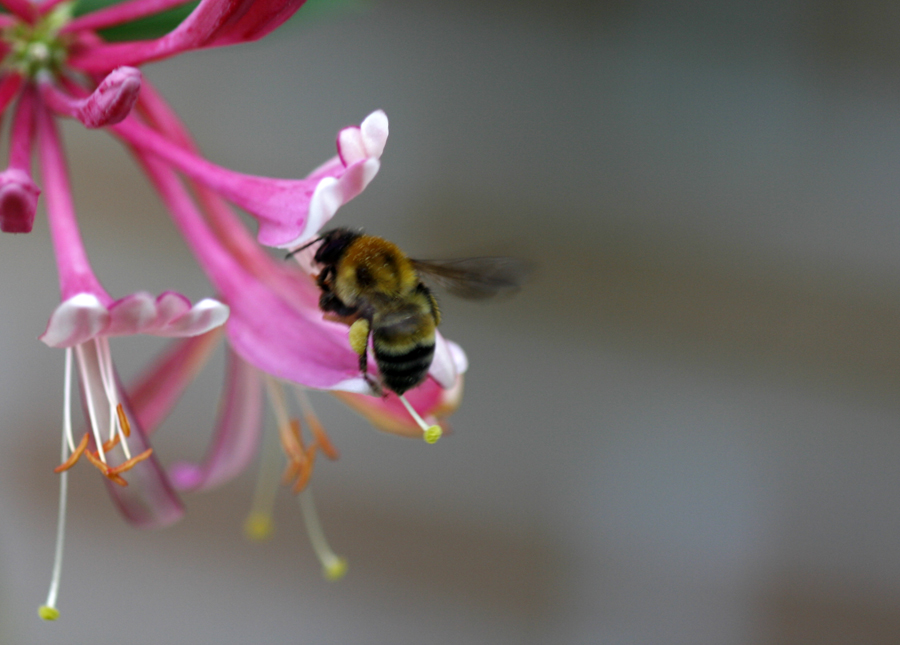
[(103, 468), (123, 420), (68, 463), (321, 437), (128, 465), (112, 443)]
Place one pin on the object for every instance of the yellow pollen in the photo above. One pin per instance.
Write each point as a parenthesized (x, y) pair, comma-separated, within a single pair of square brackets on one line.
[(334, 570), (48, 613), (432, 434), (258, 527)]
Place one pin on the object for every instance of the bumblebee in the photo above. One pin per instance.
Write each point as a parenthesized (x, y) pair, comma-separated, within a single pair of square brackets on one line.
[(370, 284)]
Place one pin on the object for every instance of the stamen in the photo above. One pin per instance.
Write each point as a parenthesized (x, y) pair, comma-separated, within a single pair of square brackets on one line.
[(430, 433), (67, 401), (300, 459), (259, 524), (68, 463), (129, 464), (314, 425), (107, 377), (92, 414), (334, 567), (300, 466), (123, 420), (103, 468)]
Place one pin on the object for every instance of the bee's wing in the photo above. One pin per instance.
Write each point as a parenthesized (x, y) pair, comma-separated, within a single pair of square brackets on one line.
[(477, 278)]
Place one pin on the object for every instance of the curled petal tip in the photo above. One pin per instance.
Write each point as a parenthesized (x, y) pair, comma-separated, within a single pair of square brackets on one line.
[(18, 201), (365, 141), (76, 320), (113, 99), (329, 195)]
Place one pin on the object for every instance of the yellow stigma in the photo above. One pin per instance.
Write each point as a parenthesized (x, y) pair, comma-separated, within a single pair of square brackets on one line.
[(48, 613), (429, 433), (258, 527), (335, 569), (432, 434)]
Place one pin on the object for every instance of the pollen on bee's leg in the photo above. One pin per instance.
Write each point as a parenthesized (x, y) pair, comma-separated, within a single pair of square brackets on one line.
[(430, 433)]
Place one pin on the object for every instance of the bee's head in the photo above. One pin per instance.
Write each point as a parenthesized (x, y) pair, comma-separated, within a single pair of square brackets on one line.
[(334, 244)]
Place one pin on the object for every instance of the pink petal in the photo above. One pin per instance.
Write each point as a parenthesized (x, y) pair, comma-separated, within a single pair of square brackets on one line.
[(311, 215), (131, 314), (237, 433), (289, 211), (449, 361), (367, 140), (205, 315), (158, 388), (387, 413), (75, 321)]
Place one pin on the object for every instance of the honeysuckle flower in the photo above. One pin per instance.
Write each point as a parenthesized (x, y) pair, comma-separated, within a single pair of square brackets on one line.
[(56, 65)]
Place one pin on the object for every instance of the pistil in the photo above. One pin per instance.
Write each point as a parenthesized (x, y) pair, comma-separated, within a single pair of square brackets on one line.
[(431, 433)]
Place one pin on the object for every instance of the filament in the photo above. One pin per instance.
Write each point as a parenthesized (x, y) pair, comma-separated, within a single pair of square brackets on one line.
[(259, 524), (90, 403), (333, 566), (107, 377)]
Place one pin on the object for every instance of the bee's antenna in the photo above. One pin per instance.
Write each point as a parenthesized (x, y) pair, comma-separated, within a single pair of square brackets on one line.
[(301, 248)]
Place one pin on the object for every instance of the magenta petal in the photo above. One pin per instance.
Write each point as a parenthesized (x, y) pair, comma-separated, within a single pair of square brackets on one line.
[(112, 100), (18, 201), (237, 433), (287, 223), (289, 211), (264, 17), (211, 23), (75, 321)]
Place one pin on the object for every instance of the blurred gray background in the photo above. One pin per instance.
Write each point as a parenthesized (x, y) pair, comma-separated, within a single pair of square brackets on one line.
[(687, 430)]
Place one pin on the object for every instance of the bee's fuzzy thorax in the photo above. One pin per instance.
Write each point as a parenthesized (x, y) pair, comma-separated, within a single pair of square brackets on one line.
[(374, 265)]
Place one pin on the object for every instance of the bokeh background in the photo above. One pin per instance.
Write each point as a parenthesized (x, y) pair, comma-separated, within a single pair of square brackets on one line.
[(686, 430)]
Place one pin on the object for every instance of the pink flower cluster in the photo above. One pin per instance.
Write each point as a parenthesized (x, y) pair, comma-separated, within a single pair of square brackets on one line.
[(57, 65)]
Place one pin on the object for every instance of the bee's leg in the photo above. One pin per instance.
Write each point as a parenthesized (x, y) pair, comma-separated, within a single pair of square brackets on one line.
[(359, 343)]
